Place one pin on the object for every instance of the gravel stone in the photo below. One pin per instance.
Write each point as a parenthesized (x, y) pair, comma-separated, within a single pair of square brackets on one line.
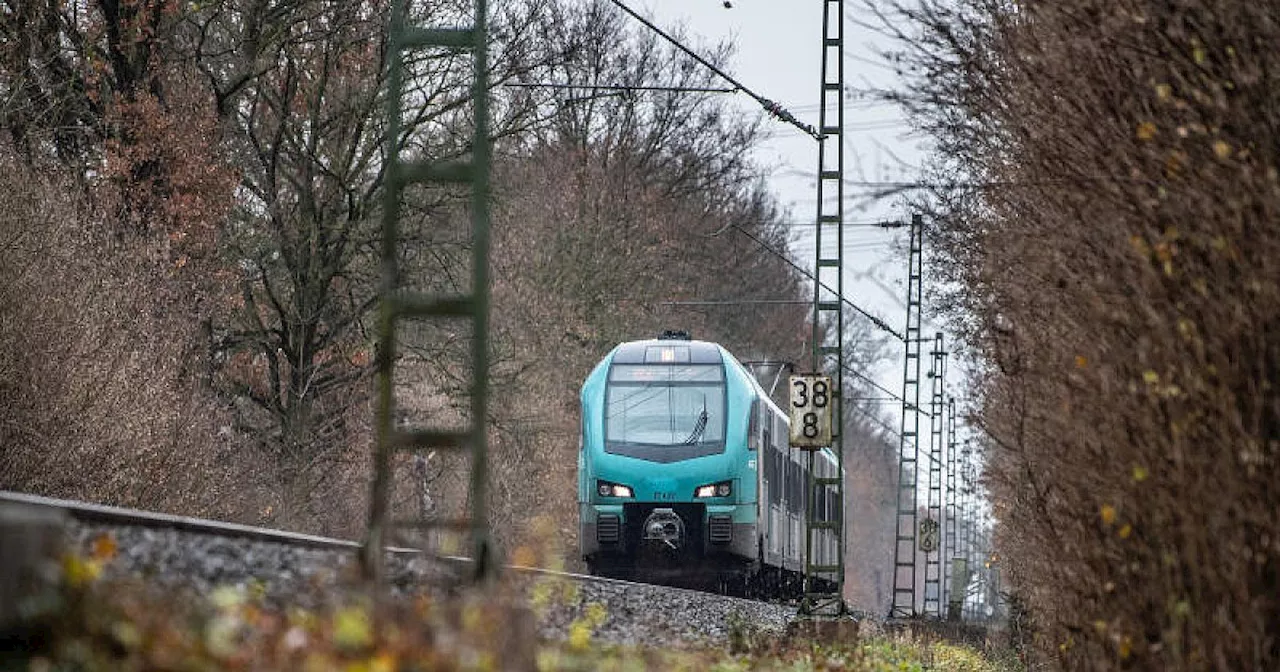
[(639, 613), (309, 576)]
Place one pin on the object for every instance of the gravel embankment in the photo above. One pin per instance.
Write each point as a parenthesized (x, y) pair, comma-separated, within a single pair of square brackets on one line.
[(307, 577), (287, 574), (638, 613)]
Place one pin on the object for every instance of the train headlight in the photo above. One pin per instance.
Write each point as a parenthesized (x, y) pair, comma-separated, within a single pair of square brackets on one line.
[(607, 489), (721, 489)]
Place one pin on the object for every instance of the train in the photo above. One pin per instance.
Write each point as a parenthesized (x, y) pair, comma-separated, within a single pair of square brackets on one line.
[(685, 475)]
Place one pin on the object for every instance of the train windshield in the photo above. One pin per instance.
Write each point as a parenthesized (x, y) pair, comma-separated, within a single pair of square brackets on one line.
[(665, 413)]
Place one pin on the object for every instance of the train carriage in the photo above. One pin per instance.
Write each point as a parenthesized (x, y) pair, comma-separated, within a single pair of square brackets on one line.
[(685, 474)]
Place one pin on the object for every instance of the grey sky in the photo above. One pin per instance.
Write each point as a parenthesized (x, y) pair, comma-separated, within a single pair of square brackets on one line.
[(778, 56)]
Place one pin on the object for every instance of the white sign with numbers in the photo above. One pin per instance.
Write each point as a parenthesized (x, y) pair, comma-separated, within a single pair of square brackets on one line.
[(812, 399), (928, 535)]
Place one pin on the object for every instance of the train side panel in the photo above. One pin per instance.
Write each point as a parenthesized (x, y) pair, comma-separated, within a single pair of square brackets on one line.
[(784, 478)]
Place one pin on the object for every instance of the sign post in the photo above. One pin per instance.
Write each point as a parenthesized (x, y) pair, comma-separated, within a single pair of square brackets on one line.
[(928, 535), (810, 409)]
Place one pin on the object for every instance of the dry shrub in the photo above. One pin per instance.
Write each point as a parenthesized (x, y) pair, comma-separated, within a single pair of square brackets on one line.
[(1117, 259), (167, 172), (101, 356)]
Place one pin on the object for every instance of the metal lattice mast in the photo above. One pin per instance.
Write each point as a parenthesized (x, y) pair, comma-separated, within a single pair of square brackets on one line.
[(932, 552), (828, 318), (396, 305), (966, 517), (904, 559), (949, 555)]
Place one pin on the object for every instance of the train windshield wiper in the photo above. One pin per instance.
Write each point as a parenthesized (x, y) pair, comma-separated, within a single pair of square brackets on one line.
[(699, 427)]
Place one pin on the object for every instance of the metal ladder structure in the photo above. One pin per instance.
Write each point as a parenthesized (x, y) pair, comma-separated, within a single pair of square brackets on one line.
[(933, 507), (949, 554), (828, 318), (904, 552), (967, 512), (396, 305)]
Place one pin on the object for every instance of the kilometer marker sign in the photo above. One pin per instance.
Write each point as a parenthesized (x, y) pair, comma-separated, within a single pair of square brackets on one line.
[(812, 398)]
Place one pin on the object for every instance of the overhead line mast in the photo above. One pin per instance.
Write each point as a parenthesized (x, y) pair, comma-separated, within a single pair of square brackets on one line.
[(953, 567), (828, 317), (904, 545), (932, 527)]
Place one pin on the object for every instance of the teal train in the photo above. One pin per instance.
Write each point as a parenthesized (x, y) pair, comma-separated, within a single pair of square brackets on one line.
[(685, 474)]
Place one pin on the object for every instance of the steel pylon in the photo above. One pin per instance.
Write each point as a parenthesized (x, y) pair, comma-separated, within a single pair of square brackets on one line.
[(827, 598), (937, 430), (904, 553), (949, 541)]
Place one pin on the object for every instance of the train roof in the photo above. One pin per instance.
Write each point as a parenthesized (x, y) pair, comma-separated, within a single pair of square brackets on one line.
[(639, 352)]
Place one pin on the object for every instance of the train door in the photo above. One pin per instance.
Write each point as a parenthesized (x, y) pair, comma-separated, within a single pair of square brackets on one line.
[(777, 490)]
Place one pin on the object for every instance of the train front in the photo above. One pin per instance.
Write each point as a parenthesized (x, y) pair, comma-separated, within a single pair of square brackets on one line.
[(667, 482)]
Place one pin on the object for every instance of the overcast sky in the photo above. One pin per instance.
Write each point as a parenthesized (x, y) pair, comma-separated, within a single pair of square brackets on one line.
[(778, 56)]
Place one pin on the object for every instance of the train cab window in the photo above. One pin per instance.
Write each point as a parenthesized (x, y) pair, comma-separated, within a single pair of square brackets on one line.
[(665, 412)]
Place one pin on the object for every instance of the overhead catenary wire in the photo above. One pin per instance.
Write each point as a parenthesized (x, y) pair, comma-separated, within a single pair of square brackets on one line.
[(773, 108), (878, 386), (735, 302), (799, 269), (622, 87), (870, 125), (876, 419), (864, 224), (808, 244), (946, 185)]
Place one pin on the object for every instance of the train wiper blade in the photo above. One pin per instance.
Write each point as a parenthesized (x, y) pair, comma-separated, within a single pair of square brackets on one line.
[(699, 427)]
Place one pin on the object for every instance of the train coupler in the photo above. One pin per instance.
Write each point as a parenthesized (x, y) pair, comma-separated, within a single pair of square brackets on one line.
[(666, 527)]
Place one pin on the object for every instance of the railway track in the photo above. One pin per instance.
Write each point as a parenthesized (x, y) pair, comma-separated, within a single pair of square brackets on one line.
[(307, 570)]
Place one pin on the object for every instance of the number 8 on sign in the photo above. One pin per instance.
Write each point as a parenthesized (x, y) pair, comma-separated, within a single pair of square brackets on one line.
[(810, 411)]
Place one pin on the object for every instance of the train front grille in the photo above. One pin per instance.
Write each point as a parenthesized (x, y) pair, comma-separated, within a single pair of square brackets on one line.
[(608, 529), (720, 529)]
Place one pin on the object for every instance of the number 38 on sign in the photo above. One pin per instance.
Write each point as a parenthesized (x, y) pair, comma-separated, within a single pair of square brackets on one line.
[(811, 402)]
